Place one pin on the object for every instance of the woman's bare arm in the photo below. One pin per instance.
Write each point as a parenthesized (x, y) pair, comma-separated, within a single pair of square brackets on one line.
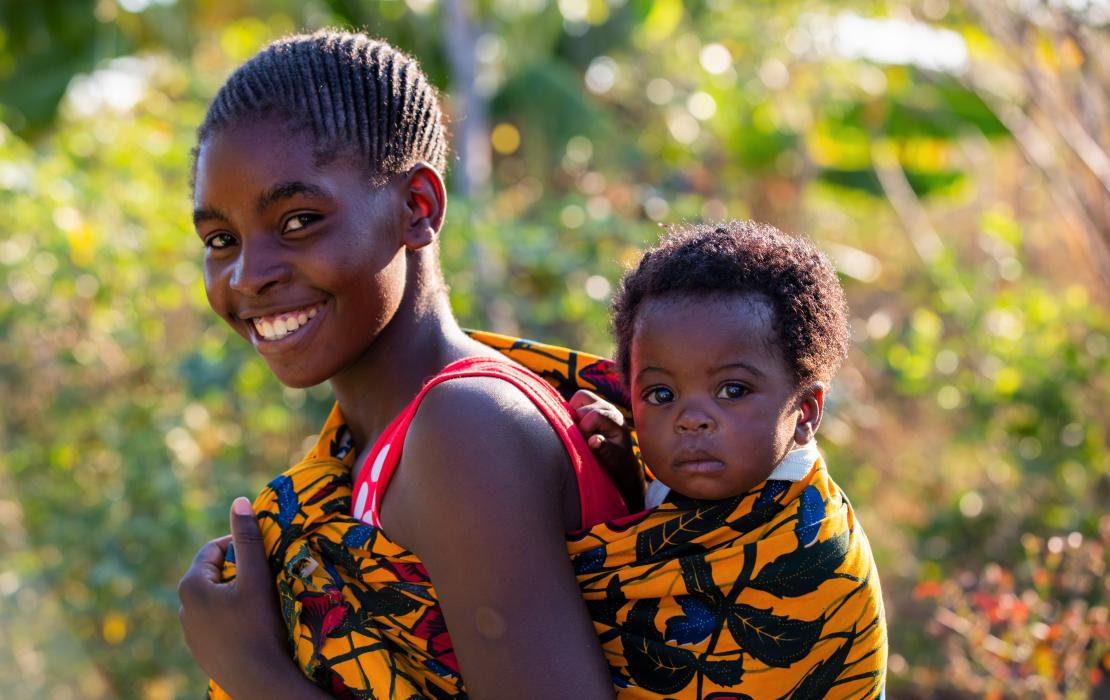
[(478, 497)]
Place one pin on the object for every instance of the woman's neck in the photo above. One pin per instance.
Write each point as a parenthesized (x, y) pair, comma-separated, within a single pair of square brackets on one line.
[(421, 339)]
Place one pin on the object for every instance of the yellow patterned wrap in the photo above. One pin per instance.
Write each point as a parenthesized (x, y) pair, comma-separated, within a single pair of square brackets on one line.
[(772, 594)]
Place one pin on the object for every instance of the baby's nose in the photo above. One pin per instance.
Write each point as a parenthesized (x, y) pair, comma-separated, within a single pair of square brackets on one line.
[(694, 422)]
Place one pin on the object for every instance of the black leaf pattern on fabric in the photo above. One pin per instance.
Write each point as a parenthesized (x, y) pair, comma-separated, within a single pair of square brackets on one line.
[(726, 672), (337, 554), (342, 505), (658, 543), (342, 443), (776, 640), (765, 508), (802, 571), (654, 665), (760, 515), (384, 600), (605, 610), (821, 678), (697, 574)]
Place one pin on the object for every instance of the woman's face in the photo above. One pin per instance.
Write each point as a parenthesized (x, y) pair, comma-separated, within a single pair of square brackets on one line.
[(306, 262)]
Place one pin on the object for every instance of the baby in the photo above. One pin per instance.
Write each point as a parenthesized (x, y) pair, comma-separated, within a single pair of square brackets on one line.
[(727, 338)]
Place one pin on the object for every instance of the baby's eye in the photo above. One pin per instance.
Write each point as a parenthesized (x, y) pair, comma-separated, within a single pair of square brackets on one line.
[(219, 241), (298, 221), (659, 395), (732, 390)]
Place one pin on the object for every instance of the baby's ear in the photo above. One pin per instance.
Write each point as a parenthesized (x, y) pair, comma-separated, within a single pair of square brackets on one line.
[(811, 406), (425, 205)]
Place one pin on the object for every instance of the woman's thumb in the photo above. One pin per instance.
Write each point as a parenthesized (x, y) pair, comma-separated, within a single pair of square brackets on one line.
[(250, 555)]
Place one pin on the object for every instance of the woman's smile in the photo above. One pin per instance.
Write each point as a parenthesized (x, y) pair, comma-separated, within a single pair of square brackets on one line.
[(277, 326)]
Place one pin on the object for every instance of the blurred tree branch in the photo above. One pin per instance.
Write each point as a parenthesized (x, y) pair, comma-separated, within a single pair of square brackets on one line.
[(472, 139), (1052, 99)]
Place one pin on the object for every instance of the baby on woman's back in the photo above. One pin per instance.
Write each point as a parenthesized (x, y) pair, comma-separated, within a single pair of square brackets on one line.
[(727, 339)]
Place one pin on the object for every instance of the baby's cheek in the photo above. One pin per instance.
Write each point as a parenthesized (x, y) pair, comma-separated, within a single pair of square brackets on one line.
[(652, 449)]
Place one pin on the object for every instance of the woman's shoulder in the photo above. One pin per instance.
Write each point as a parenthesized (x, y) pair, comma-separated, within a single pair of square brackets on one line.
[(477, 455), (483, 416)]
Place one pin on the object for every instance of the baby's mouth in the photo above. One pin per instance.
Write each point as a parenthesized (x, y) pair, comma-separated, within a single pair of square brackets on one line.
[(280, 325)]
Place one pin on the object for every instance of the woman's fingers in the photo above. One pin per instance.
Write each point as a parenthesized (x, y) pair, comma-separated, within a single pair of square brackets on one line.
[(209, 560), (250, 554)]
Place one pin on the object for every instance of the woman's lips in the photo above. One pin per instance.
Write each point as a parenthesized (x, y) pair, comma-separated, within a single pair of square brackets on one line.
[(278, 326)]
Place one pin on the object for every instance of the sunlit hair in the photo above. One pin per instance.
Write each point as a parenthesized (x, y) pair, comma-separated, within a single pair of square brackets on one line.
[(743, 257), (357, 96)]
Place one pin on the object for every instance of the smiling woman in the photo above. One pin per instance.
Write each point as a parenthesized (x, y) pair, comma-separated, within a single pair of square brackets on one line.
[(319, 200), (320, 243)]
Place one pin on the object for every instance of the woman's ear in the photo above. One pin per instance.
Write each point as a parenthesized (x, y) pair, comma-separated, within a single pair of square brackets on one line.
[(811, 406), (425, 206)]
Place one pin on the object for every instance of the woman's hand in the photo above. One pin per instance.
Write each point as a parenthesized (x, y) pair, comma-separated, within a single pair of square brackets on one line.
[(234, 630), (608, 436)]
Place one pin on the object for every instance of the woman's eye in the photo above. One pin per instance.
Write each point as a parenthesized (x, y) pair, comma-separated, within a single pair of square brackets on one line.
[(298, 222), (732, 390), (659, 395), (219, 241)]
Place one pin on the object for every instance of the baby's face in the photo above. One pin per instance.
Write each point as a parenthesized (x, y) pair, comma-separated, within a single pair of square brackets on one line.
[(714, 403)]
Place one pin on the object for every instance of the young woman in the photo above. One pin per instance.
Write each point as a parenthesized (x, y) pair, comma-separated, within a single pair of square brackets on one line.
[(319, 202)]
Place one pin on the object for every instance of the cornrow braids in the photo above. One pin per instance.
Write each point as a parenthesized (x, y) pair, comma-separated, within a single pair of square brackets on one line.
[(810, 314), (356, 95)]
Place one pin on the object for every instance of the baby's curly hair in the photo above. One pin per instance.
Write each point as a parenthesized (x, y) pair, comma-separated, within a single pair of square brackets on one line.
[(810, 314)]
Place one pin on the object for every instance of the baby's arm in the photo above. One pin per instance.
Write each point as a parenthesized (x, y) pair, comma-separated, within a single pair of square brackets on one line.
[(608, 436)]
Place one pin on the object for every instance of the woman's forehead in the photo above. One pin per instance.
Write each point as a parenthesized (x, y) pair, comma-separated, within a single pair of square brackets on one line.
[(262, 161)]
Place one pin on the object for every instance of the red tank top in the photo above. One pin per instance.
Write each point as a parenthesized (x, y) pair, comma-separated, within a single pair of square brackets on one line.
[(597, 496)]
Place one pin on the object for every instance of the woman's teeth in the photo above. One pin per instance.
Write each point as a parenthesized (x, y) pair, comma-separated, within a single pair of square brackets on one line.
[(281, 325)]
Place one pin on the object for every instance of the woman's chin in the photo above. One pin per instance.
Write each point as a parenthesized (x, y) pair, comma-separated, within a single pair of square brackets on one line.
[(296, 377)]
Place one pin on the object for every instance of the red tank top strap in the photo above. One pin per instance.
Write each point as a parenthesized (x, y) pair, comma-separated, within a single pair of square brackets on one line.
[(598, 497)]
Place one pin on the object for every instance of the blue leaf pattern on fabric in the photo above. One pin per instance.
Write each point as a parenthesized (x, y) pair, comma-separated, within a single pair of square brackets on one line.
[(437, 668), (771, 490), (810, 514), (588, 562), (695, 625), (288, 505), (357, 536)]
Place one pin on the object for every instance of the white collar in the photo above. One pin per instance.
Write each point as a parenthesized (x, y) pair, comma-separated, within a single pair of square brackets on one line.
[(797, 463)]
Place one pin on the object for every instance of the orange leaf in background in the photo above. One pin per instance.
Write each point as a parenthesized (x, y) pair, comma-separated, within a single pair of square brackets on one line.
[(927, 589)]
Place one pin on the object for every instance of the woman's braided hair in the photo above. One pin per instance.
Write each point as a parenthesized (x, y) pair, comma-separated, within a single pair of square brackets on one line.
[(810, 314), (356, 95)]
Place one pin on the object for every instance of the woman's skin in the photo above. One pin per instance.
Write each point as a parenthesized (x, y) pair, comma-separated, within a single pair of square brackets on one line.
[(485, 490)]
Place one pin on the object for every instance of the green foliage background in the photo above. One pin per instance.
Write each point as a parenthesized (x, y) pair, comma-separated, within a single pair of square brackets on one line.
[(969, 427)]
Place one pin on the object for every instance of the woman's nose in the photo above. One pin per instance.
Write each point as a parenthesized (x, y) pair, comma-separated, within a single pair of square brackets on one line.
[(258, 268)]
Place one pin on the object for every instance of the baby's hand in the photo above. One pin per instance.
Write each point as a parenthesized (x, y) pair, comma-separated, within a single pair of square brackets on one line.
[(608, 436)]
